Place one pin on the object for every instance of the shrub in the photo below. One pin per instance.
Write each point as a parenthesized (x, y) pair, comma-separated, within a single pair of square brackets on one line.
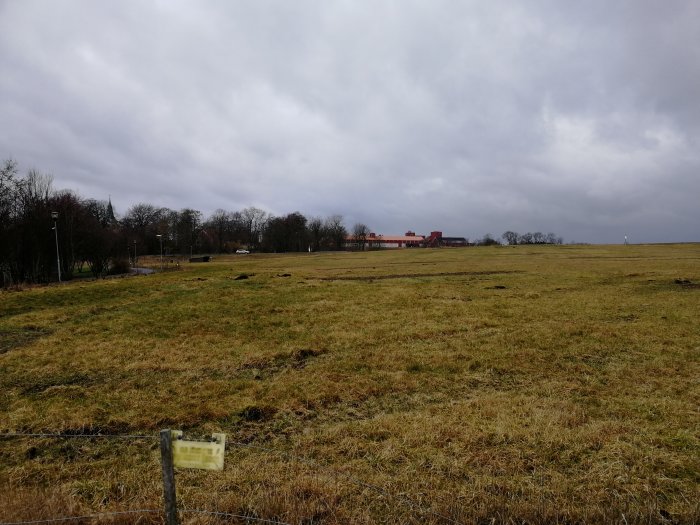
[(119, 266)]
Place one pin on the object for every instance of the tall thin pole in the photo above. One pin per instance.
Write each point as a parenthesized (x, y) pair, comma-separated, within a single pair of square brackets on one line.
[(166, 453), (58, 253)]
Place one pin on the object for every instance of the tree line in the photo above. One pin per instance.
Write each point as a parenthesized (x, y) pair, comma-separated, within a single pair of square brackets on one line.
[(85, 233), (42, 229), (512, 238)]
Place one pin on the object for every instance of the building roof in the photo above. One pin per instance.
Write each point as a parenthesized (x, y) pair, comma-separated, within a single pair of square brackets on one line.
[(391, 238), (399, 238)]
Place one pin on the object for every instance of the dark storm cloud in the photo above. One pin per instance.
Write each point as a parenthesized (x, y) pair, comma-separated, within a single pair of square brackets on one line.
[(579, 118)]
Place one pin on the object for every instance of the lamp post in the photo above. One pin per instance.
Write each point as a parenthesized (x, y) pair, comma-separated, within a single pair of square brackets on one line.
[(160, 238), (54, 216), (136, 269)]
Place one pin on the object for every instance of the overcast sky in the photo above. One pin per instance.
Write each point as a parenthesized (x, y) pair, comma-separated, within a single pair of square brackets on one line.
[(580, 118)]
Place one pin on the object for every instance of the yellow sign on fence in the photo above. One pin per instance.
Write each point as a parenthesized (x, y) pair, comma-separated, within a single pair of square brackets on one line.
[(199, 454)]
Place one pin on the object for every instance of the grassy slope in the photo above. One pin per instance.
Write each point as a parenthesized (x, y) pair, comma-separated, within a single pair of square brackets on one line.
[(570, 394)]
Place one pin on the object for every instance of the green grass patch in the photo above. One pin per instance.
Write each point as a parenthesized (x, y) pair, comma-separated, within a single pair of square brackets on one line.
[(505, 385)]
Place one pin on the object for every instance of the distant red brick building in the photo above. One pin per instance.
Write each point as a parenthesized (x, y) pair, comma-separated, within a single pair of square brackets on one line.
[(436, 239), (408, 240)]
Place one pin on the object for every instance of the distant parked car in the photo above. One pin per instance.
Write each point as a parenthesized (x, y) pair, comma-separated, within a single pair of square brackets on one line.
[(242, 251)]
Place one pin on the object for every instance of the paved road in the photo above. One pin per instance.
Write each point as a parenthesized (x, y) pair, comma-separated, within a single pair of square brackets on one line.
[(142, 271)]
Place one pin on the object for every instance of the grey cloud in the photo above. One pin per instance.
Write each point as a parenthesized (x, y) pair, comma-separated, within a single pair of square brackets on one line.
[(465, 117)]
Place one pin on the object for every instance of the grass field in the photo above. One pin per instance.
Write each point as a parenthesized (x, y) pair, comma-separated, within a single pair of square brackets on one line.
[(478, 385)]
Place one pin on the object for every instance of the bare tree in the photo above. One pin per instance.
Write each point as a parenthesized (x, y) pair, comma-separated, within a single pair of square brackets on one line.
[(551, 238), (510, 237), (525, 238), (219, 225), (336, 231), (254, 220), (35, 252), (140, 225), (8, 210), (360, 232), (316, 233), (189, 224), (488, 240), (286, 234), (97, 234)]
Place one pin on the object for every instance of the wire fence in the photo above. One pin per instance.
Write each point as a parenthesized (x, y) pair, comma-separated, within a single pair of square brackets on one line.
[(70, 435), (144, 511), (403, 499), (85, 517)]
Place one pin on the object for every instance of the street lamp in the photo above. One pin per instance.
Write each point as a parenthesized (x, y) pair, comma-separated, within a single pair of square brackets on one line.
[(54, 216), (160, 238), (136, 269)]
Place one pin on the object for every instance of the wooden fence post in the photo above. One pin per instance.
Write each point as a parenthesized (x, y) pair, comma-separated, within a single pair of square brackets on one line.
[(166, 454)]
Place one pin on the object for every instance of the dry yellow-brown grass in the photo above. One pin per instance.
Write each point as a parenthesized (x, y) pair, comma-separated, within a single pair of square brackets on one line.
[(479, 385)]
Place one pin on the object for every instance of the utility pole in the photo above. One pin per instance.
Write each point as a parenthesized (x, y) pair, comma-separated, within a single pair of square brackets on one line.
[(160, 238), (54, 216)]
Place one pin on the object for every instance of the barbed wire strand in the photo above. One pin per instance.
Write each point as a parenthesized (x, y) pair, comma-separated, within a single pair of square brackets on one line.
[(376, 488), (49, 435), (231, 515), (146, 511), (87, 516), (115, 436)]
